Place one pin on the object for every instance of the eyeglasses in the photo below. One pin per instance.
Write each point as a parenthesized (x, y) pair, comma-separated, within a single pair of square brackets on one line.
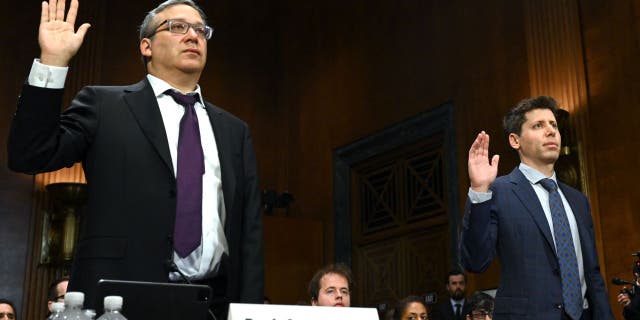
[(9, 315), (60, 297), (182, 27), (480, 315)]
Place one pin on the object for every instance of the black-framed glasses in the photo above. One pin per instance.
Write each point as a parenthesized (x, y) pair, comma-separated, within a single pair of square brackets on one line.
[(182, 27), (480, 315)]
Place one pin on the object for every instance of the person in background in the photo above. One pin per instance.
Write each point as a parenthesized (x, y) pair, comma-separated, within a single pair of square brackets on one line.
[(630, 303), (7, 310), (410, 308), (331, 286), (481, 305), (455, 307), (56, 292)]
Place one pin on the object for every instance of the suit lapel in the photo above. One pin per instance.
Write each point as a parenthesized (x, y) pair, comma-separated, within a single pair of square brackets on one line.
[(580, 212), (223, 137), (525, 193), (144, 107)]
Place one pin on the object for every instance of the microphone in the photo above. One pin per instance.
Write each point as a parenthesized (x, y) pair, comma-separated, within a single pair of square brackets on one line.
[(620, 282)]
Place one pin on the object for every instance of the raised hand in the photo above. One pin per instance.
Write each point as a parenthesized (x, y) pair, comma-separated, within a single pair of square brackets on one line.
[(56, 36), (482, 172)]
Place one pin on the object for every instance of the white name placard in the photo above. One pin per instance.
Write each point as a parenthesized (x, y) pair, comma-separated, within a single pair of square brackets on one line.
[(245, 311)]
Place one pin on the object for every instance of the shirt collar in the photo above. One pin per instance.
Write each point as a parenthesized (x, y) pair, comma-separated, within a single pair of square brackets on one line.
[(159, 87), (534, 175)]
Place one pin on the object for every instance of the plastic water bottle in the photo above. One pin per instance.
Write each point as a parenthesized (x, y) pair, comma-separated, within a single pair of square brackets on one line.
[(73, 302), (112, 308), (56, 311)]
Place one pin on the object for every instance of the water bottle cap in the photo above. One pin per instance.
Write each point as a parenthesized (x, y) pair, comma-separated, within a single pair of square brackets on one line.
[(74, 298), (57, 307), (113, 303)]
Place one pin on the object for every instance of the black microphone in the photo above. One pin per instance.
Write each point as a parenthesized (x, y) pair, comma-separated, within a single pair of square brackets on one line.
[(620, 282)]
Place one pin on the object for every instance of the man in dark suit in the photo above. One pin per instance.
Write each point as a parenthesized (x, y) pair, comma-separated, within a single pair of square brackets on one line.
[(454, 308), (153, 161), (542, 235)]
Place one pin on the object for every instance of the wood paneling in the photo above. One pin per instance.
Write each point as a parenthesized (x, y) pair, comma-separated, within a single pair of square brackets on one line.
[(293, 253), (311, 76), (612, 48)]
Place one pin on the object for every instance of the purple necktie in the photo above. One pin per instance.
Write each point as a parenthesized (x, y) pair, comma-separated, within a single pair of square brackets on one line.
[(187, 231)]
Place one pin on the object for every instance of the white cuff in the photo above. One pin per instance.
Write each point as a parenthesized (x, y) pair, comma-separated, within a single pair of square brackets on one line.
[(479, 197), (44, 76)]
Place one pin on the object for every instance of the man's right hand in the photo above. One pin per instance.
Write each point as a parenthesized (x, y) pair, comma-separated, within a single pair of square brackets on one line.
[(56, 36), (482, 172), (624, 299)]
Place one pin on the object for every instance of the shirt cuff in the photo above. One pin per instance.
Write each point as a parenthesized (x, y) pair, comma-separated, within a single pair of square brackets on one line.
[(44, 76), (479, 197)]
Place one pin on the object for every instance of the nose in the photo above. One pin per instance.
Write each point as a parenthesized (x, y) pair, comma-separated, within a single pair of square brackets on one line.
[(552, 130), (192, 34)]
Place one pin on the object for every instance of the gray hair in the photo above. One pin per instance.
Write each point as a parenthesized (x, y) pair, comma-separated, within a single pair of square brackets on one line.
[(146, 29)]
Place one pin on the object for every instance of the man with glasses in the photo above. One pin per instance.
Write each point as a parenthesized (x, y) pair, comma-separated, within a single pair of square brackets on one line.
[(481, 306), (173, 191), (56, 292)]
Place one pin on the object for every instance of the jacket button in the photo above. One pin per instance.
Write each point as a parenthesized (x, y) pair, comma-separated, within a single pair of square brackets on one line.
[(559, 306)]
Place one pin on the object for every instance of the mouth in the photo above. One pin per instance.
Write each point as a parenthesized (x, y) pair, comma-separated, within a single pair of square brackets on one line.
[(338, 305), (551, 145), (194, 51)]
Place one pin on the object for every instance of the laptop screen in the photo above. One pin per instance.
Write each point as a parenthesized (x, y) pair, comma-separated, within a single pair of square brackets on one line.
[(155, 300)]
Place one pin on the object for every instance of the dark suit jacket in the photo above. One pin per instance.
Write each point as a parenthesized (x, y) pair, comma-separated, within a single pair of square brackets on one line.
[(632, 311), (512, 225), (445, 311), (118, 134)]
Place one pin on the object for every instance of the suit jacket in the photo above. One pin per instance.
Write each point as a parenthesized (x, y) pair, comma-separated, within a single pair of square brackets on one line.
[(632, 311), (118, 134), (445, 311), (512, 225)]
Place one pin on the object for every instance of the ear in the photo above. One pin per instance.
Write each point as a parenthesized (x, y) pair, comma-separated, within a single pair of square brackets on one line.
[(314, 302), (514, 141), (145, 47)]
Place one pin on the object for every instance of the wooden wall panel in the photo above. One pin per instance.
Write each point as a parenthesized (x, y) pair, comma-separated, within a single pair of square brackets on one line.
[(612, 47), (16, 190), (352, 68), (312, 76), (293, 254)]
